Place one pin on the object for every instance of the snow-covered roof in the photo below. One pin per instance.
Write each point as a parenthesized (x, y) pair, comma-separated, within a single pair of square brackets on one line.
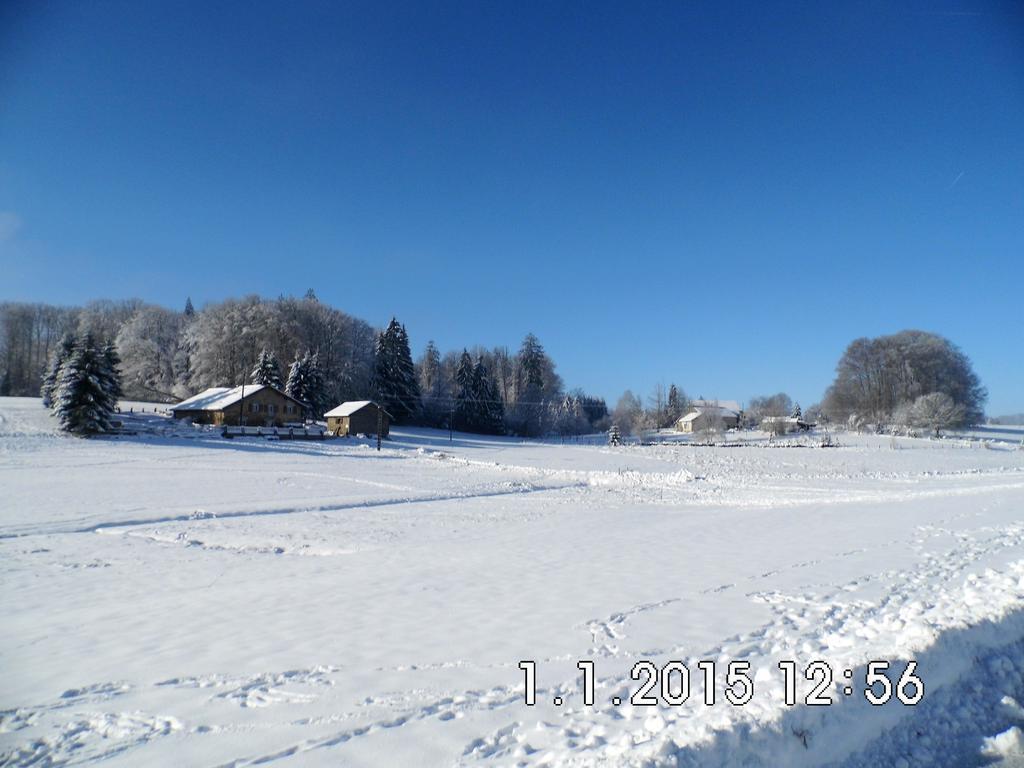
[(780, 420), (730, 405), (347, 409), (724, 413), (218, 398)]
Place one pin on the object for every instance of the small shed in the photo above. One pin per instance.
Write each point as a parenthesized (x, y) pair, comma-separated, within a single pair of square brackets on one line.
[(254, 405), (357, 417)]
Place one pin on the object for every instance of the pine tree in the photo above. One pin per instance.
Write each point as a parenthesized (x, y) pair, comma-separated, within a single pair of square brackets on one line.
[(5, 385), (310, 295), (465, 397), (797, 413), (57, 359), (675, 404), (316, 391), (614, 438), (112, 372), (267, 370), (190, 311), (395, 375), (488, 412), (82, 402), (296, 385), (531, 361), (306, 383)]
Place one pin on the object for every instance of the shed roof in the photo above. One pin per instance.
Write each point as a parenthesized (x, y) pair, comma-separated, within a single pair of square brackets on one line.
[(350, 407)]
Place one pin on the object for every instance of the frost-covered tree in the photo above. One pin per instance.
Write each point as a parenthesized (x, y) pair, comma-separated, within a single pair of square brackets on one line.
[(52, 375), (629, 414), (154, 365), (395, 375), (797, 413), (433, 401), (82, 401), (571, 419), (875, 376), (938, 411), (267, 370), (306, 383), (614, 438), (760, 408), (190, 311)]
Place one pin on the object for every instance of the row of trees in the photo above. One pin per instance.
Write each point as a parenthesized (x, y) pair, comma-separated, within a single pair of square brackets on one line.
[(330, 357), (168, 355)]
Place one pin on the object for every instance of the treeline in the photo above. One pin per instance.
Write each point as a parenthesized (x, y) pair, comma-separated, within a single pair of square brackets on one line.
[(329, 356)]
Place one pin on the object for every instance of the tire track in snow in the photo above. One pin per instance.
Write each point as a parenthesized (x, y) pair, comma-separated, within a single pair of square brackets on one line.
[(113, 525)]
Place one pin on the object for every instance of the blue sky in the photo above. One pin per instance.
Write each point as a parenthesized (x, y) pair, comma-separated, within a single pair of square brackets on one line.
[(721, 195)]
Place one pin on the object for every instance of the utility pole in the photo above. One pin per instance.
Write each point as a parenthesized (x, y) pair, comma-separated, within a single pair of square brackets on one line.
[(241, 402)]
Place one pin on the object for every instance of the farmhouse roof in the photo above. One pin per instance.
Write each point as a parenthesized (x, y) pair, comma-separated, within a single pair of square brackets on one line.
[(219, 398), (729, 405), (350, 407)]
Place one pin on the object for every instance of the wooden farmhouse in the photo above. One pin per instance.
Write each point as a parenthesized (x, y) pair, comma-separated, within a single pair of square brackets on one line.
[(261, 406), (357, 417)]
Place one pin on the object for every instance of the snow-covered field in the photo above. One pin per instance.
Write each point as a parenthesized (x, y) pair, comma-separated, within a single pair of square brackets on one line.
[(174, 598)]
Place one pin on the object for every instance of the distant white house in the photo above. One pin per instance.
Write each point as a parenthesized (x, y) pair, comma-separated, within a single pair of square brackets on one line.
[(705, 414), (780, 425), (730, 405)]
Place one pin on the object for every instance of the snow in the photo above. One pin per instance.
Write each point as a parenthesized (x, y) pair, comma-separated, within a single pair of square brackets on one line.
[(174, 598)]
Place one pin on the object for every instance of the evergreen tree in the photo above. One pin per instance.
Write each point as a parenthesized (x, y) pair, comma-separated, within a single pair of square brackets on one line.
[(316, 390), (614, 438), (267, 370), (675, 404), (306, 383), (296, 384), (82, 401), (190, 311), (311, 295), (465, 397), (57, 359), (797, 413), (395, 375), (531, 362), (5, 385), (112, 372), (488, 412)]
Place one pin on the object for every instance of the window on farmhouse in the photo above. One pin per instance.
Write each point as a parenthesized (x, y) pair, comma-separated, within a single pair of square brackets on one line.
[(271, 409), (254, 407)]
